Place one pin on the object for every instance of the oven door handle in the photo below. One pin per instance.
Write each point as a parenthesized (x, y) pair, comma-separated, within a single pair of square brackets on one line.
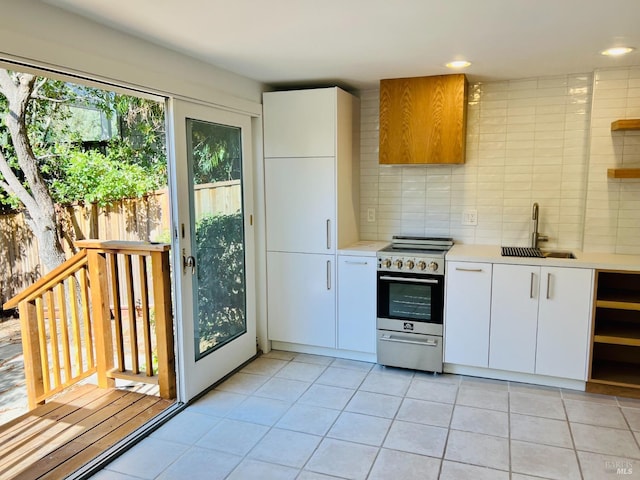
[(412, 280), (427, 343)]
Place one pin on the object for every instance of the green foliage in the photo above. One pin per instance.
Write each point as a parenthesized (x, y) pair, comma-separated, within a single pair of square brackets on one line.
[(95, 178), (116, 141), (221, 279), (217, 152)]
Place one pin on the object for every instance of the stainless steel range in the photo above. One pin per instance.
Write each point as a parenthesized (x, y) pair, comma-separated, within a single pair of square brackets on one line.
[(411, 302)]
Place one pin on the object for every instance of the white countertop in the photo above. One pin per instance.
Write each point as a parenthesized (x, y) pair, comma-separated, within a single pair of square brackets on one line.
[(363, 248), (491, 254)]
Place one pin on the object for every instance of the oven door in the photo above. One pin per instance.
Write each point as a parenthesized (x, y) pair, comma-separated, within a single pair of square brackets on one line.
[(410, 297)]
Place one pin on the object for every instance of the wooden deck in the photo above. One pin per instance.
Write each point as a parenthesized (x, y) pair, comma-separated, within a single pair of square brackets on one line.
[(67, 432)]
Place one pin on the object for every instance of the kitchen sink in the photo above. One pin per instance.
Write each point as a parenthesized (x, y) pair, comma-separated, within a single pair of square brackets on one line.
[(557, 254)]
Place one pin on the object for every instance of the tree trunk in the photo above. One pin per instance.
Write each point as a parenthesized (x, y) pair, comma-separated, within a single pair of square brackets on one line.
[(40, 210)]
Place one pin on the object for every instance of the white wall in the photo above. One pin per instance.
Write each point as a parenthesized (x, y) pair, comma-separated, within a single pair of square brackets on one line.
[(527, 141), (45, 35), (545, 140)]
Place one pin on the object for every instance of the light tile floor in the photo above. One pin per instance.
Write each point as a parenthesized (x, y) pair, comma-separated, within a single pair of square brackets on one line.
[(298, 416)]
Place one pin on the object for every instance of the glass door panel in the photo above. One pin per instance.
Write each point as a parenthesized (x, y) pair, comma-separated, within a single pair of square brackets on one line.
[(214, 234), (215, 158)]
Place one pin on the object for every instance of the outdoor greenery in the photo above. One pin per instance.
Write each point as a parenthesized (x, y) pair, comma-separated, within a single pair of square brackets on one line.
[(62, 143), (93, 177), (221, 279), (92, 145), (216, 153)]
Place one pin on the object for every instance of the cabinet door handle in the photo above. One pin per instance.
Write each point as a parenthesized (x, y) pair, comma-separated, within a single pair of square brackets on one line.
[(468, 269), (424, 343), (328, 274), (328, 234), (548, 285), (351, 262), (531, 285)]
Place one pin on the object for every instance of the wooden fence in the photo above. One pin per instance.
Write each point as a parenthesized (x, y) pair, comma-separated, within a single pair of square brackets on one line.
[(144, 219)]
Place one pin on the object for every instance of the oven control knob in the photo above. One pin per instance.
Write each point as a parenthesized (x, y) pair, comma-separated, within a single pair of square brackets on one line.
[(398, 263), (386, 263), (433, 266), (422, 265), (410, 264)]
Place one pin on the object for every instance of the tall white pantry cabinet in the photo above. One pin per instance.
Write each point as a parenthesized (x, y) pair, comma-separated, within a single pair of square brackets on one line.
[(311, 147)]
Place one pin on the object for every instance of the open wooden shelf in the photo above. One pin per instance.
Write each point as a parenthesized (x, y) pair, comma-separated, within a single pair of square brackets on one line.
[(626, 124), (623, 172), (621, 374), (618, 299), (615, 349), (618, 333)]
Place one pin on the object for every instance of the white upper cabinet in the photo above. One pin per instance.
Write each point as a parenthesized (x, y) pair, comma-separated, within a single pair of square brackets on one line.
[(467, 313), (564, 322), (301, 204), (312, 181), (300, 123)]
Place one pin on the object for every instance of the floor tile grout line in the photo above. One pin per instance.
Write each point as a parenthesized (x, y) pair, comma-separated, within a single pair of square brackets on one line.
[(271, 427), (509, 429), (564, 398), (573, 442), (324, 436), (446, 440)]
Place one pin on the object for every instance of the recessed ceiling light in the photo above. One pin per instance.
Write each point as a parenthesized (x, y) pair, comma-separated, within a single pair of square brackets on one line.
[(458, 64), (617, 51)]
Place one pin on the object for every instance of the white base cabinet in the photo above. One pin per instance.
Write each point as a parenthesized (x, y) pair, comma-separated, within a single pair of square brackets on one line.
[(301, 296), (540, 320), (519, 318), (514, 318), (467, 313), (564, 325), (357, 303)]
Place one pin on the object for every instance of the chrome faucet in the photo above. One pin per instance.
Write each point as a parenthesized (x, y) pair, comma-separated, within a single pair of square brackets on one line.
[(535, 236)]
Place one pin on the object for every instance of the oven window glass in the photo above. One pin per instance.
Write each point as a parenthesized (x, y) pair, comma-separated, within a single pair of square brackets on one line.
[(410, 301)]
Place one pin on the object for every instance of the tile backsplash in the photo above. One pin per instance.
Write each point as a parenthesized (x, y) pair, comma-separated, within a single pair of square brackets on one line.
[(612, 220), (527, 141)]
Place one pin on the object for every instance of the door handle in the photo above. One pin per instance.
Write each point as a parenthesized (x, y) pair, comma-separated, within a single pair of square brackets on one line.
[(188, 262), (328, 274), (531, 285), (328, 234), (548, 285)]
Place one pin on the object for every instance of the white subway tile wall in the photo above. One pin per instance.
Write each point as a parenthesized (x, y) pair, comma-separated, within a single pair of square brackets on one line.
[(545, 140), (612, 218), (527, 141)]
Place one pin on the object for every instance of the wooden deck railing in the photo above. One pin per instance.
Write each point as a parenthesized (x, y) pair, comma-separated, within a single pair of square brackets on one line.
[(96, 314)]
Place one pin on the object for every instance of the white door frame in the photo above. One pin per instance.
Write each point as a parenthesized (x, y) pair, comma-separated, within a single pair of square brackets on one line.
[(196, 376)]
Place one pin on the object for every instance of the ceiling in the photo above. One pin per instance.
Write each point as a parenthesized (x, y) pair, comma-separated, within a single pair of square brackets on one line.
[(355, 43)]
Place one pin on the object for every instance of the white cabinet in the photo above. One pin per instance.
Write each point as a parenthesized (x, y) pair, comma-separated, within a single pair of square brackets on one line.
[(514, 318), (312, 208), (301, 298), (467, 313), (564, 322), (357, 303), (540, 320), (301, 204), (300, 123)]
